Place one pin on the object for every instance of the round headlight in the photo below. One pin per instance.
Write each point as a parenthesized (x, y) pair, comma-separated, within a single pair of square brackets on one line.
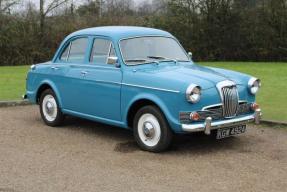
[(193, 93), (253, 85)]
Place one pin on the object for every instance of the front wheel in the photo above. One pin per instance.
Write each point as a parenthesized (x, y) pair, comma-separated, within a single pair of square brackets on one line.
[(151, 130), (49, 109)]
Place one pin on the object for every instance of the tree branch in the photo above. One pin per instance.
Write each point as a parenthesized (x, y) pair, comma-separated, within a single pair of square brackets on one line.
[(8, 5), (53, 5)]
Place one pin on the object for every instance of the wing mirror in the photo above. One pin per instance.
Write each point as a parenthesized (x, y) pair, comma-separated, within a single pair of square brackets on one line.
[(113, 61), (190, 55)]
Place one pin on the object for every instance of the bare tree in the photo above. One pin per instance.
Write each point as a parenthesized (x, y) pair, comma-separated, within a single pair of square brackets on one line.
[(45, 11), (5, 5)]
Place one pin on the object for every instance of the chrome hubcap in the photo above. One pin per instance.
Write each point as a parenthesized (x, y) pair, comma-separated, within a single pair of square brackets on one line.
[(149, 129), (49, 107)]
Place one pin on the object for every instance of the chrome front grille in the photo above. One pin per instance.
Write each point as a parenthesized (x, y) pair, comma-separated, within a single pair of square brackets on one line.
[(216, 112), (229, 101)]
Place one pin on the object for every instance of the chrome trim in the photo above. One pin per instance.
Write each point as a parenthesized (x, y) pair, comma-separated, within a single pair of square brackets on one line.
[(112, 60), (220, 104), (24, 96), (107, 82), (219, 124), (154, 88), (210, 106), (230, 105), (69, 50), (94, 66), (207, 125), (110, 48), (189, 90), (258, 115), (222, 84), (33, 67), (251, 83)]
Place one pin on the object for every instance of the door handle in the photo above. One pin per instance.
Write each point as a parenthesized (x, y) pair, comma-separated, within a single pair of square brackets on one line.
[(84, 72), (55, 68)]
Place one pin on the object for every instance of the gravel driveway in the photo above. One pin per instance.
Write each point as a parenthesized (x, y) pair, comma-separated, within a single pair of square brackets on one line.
[(87, 156)]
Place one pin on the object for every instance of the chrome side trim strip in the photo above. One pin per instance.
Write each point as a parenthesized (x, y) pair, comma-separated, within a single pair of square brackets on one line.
[(132, 85), (93, 66), (154, 88), (217, 124), (107, 82)]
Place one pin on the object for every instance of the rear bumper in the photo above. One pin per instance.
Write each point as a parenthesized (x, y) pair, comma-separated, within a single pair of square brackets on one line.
[(208, 125)]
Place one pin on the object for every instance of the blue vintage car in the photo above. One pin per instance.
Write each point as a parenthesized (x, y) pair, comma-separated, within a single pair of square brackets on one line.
[(141, 79)]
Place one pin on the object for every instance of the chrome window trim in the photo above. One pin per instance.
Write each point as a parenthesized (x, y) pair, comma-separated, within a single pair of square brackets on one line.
[(70, 46), (91, 61), (94, 66), (139, 36), (109, 52), (69, 50)]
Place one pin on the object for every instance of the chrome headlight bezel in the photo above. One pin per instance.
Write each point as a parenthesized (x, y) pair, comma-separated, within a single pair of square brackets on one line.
[(193, 93), (254, 85)]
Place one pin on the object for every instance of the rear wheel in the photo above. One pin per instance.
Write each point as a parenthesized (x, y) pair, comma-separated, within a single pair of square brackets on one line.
[(49, 108), (151, 130)]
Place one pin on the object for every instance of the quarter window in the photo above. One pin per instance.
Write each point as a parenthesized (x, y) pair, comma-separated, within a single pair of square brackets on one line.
[(64, 55), (102, 49), (75, 51)]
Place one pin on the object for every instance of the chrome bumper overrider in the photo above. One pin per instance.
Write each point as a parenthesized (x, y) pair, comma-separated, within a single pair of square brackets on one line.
[(208, 125)]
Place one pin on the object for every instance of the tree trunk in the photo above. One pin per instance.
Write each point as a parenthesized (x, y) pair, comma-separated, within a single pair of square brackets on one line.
[(42, 19)]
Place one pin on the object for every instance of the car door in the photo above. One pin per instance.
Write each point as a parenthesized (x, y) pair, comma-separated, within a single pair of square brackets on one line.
[(101, 82), (90, 86), (73, 56)]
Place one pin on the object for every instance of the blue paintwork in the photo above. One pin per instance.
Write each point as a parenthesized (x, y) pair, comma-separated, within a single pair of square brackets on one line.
[(107, 92)]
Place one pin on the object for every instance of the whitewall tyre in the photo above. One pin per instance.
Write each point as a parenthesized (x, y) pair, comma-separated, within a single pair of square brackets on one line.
[(49, 108), (151, 130)]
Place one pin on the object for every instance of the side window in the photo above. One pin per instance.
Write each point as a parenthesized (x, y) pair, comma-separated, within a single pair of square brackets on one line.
[(64, 55), (102, 49), (75, 51)]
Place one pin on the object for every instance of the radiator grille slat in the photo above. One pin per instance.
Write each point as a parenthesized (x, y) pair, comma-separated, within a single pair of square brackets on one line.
[(229, 101)]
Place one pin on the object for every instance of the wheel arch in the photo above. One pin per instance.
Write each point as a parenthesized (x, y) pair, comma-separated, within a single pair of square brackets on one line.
[(47, 85), (140, 102)]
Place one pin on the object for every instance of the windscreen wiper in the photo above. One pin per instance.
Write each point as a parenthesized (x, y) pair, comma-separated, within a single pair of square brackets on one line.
[(162, 59), (141, 61)]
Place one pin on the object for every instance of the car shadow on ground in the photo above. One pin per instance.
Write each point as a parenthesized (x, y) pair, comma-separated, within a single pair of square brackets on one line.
[(196, 143)]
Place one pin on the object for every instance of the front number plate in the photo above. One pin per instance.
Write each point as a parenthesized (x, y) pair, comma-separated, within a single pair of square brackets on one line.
[(230, 131)]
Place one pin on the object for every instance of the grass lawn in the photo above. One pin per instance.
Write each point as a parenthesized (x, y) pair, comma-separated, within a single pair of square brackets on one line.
[(272, 97), (12, 82)]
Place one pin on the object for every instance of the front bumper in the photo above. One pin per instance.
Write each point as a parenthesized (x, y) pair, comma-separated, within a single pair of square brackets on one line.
[(208, 125)]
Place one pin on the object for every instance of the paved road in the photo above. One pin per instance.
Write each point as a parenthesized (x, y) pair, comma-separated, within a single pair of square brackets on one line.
[(87, 156)]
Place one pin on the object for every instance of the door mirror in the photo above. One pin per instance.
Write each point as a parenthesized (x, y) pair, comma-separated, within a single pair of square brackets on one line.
[(112, 60), (190, 55)]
